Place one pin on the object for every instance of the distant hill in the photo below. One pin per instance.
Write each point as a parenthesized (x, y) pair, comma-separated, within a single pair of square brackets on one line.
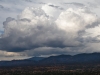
[(68, 59), (85, 58)]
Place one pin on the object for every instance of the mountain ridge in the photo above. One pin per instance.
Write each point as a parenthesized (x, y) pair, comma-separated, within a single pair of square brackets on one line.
[(83, 58)]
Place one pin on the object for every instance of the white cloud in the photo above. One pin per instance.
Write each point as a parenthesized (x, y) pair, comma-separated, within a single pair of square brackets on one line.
[(75, 19), (52, 10)]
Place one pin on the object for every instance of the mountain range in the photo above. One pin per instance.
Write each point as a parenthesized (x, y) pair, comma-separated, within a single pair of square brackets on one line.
[(84, 58)]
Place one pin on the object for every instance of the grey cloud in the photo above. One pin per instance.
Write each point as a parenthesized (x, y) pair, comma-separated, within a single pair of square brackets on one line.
[(76, 4), (93, 25), (58, 7)]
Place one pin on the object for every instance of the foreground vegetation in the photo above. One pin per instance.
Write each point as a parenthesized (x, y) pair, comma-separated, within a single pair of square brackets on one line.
[(52, 70), (52, 73)]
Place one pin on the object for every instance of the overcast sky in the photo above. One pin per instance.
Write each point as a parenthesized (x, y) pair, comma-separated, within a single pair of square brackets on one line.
[(48, 27)]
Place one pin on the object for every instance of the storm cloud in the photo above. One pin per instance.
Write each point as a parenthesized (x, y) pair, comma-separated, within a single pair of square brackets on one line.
[(33, 28)]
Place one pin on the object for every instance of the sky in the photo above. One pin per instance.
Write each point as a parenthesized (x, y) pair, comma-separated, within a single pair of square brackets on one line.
[(45, 28)]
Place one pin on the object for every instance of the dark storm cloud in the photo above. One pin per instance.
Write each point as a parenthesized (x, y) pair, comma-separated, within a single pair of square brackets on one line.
[(15, 42)]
